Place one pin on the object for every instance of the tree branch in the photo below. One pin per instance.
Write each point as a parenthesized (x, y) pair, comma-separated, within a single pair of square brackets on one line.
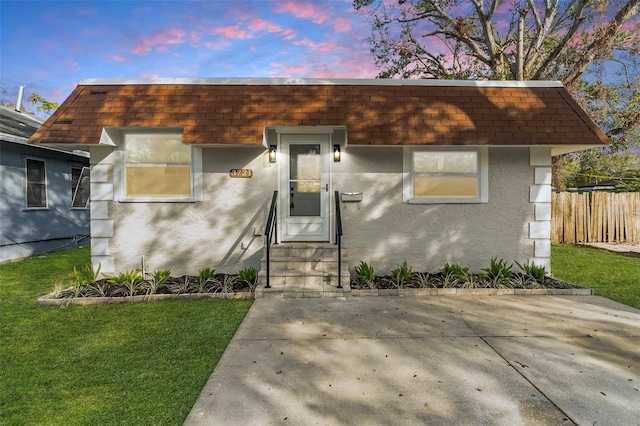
[(601, 42), (543, 29), (532, 7), (497, 62), (575, 25)]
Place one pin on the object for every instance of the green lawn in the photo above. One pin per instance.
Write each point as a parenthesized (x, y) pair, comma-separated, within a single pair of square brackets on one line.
[(117, 364), (612, 275)]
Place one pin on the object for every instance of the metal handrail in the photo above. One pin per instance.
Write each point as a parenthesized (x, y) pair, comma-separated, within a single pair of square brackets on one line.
[(269, 231), (339, 237)]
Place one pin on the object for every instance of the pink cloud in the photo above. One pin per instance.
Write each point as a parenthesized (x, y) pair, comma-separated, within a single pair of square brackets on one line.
[(287, 70), (303, 10), (259, 24), (57, 94), (195, 36), (349, 64), (319, 47), (289, 34), (159, 40), (216, 45), (341, 24), (118, 58), (232, 32)]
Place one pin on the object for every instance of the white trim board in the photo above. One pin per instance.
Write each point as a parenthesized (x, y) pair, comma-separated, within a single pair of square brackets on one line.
[(316, 82)]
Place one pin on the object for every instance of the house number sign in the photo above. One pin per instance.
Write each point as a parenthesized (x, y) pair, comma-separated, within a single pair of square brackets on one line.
[(241, 173)]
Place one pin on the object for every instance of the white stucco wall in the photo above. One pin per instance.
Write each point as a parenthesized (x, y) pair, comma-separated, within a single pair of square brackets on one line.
[(384, 231), (220, 231)]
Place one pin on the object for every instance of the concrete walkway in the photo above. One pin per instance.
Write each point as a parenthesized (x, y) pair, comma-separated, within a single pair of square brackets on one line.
[(503, 360), (629, 249)]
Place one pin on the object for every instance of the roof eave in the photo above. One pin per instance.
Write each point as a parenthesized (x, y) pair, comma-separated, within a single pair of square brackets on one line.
[(568, 149)]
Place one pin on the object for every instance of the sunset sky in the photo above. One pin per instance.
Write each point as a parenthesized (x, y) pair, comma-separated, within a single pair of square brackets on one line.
[(49, 46)]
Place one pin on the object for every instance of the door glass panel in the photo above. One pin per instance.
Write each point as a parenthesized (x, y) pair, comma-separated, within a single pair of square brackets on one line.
[(304, 180)]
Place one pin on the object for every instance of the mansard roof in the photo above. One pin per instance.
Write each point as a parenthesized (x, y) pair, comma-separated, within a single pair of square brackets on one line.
[(374, 112)]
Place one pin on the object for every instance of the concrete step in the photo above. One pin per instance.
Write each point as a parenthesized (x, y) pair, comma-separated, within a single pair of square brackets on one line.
[(307, 251), (327, 266), (304, 270)]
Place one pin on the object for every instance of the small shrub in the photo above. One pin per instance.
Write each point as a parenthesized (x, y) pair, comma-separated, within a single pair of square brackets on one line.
[(205, 276), (97, 289), (86, 274), (226, 286), (248, 275), (454, 270), (424, 279), (77, 289), (130, 281), (473, 281), (365, 273), (538, 272), (499, 270), (524, 281), (158, 278), (449, 280), (182, 287), (402, 273)]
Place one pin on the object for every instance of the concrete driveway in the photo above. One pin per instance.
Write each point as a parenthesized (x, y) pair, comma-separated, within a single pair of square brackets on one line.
[(503, 360)]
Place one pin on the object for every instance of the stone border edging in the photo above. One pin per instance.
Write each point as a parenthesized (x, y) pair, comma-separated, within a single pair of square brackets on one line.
[(48, 299), (583, 291)]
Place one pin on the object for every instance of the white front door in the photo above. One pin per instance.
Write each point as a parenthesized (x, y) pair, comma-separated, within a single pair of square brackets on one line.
[(305, 200)]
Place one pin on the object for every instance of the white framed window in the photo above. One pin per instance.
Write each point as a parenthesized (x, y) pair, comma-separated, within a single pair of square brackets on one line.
[(157, 166), (80, 187), (36, 179), (446, 175)]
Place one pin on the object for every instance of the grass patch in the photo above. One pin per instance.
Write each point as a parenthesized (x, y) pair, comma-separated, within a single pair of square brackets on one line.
[(118, 364), (612, 275)]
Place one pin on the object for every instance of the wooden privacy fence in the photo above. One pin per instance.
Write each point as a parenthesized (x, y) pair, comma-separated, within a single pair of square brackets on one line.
[(594, 217)]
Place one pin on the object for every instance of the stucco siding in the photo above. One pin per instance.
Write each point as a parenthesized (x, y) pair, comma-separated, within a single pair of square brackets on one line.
[(224, 230), (384, 231)]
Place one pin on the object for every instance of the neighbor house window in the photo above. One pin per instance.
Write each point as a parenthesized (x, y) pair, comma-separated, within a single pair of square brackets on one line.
[(157, 166), (79, 187), (36, 183), (445, 175)]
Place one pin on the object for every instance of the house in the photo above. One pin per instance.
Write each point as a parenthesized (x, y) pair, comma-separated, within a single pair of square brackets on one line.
[(427, 171), (605, 185), (44, 191)]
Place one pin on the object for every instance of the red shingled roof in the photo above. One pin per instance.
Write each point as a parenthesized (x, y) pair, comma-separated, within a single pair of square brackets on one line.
[(374, 113)]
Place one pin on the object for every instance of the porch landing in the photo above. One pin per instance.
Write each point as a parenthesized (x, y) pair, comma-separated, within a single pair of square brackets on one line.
[(303, 270)]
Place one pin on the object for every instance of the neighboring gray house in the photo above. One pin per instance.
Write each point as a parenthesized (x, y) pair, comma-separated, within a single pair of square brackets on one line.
[(183, 171), (44, 191)]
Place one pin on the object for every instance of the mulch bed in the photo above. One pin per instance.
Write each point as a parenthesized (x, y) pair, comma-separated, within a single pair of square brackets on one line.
[(186, 284), (439, 280)]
